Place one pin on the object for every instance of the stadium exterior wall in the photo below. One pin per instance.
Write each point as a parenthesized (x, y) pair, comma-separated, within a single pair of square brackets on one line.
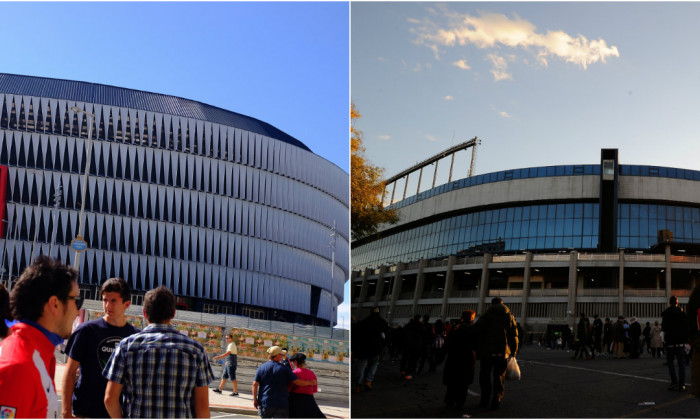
[(229, 212), (533, 237)]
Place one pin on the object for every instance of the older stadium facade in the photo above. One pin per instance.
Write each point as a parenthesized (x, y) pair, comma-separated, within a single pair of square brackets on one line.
[(553, 242), (232, 214)]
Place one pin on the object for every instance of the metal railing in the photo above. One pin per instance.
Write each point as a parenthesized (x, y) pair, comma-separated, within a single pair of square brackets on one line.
[(646, 257), (598, 257), (551, 257), (645, 292), (508, 258), (549, 292), (597, 292)]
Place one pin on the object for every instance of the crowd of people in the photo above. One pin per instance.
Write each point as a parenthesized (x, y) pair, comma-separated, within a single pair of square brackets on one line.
[(495, 337), (113, 369)]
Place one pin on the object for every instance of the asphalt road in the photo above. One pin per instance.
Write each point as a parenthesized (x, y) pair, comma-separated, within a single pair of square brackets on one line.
[(552, 386)]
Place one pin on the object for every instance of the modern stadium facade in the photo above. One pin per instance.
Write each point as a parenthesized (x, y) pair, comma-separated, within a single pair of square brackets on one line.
[(232, 214), (552, 242)]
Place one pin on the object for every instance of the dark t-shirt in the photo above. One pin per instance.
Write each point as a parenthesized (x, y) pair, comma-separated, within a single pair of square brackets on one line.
[(92, 344), (273, 379)]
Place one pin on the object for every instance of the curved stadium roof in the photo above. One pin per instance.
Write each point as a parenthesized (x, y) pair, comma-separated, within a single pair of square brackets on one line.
[(129, 98)]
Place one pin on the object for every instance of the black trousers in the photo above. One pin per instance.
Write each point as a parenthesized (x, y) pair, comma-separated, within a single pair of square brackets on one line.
[(492, 367), (456, 395)]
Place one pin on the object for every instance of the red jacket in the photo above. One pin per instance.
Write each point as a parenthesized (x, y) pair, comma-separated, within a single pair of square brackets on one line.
[(27, 368)]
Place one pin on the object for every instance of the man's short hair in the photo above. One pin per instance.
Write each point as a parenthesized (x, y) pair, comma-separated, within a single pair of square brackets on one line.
[(46, 277), (118, 285), (159, 305), (230, 335), (496, 301), (673, 301)]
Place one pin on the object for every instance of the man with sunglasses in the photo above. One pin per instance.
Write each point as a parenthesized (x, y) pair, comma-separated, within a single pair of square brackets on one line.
[(46, 301), (89, 349)]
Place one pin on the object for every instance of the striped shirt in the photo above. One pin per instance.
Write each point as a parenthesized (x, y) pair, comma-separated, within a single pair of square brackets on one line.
[(159, 369)]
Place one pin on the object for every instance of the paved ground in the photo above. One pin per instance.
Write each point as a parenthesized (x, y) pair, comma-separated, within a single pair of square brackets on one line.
[(552, 386), (225, 406)]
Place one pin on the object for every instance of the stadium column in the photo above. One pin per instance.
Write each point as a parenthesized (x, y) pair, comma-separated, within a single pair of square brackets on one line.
[(396, 290), (621, 285), (449, 279), (484, 285), (668, 272), (420, 279), (526, 288), (571, 306), (379, 291)]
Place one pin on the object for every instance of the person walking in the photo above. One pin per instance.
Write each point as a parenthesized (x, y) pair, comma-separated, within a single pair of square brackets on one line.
[(412, 342), (162, 373), (458, 374), (368, 338), (427, 344), (270, 386), (646, 333), (608, 336), (583, 330), (46, 301), (635, 332), (674, 324), (230, 366), (498, 341), (597, 331), (694, 340), (657, 343), (619, 336), (302, 404), (89, 349)]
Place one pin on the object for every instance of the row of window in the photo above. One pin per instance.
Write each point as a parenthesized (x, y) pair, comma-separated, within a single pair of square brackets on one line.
[(262, 190), (540, 227), (185, 278)]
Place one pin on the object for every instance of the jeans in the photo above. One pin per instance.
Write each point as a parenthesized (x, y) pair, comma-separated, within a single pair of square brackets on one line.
[(366, 369), (678, 353), (497, 365), (273, 412)]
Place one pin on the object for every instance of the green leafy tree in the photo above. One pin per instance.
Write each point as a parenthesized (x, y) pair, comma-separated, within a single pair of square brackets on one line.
[(366, 188)]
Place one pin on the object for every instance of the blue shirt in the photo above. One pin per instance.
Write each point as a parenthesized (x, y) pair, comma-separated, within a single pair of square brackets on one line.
[(159, 369), (273, 379)]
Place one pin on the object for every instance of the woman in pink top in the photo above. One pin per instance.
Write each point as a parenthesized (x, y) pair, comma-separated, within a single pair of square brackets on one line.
[(301, 398)]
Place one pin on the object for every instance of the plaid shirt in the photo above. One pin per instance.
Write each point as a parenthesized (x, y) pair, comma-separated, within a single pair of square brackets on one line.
[(159, 369)]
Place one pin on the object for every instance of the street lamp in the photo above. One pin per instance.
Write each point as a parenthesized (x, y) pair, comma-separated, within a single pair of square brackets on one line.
[(85, 179)]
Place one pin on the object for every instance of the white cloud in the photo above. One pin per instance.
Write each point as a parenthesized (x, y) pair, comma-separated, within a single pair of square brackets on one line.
[(504, 114), (431, 138), (381, 59), (493, 31), (499, 67), (448, 98), (385, 137), (462, 64)]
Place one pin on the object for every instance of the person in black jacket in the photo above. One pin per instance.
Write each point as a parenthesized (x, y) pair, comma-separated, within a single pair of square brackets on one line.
[(674, 324), (412, 344), (635, 333), (498, 341), (597, 330), (460, 364), (608, 336)]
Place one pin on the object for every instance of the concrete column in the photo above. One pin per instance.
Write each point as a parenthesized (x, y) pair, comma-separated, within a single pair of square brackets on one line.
[(395, 291), (449, 279), (363, 293), (405, 187), (621, 285), (379, 291), (573, 275), (668, 272), (526, 288), (420, 279), (484, 285)]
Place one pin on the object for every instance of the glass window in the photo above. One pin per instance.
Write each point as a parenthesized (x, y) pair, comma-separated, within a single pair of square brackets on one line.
[(526, 213), (568, 227), (542, 212)]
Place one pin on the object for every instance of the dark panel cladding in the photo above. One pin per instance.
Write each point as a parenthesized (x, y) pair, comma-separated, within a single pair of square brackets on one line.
[(608, 201)]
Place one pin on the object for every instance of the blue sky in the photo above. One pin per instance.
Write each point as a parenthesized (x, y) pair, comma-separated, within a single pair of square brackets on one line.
[(540, 83), (284, 63)]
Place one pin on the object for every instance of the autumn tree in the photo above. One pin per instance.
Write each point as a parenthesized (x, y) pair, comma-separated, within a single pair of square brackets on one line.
[(366, 187)]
